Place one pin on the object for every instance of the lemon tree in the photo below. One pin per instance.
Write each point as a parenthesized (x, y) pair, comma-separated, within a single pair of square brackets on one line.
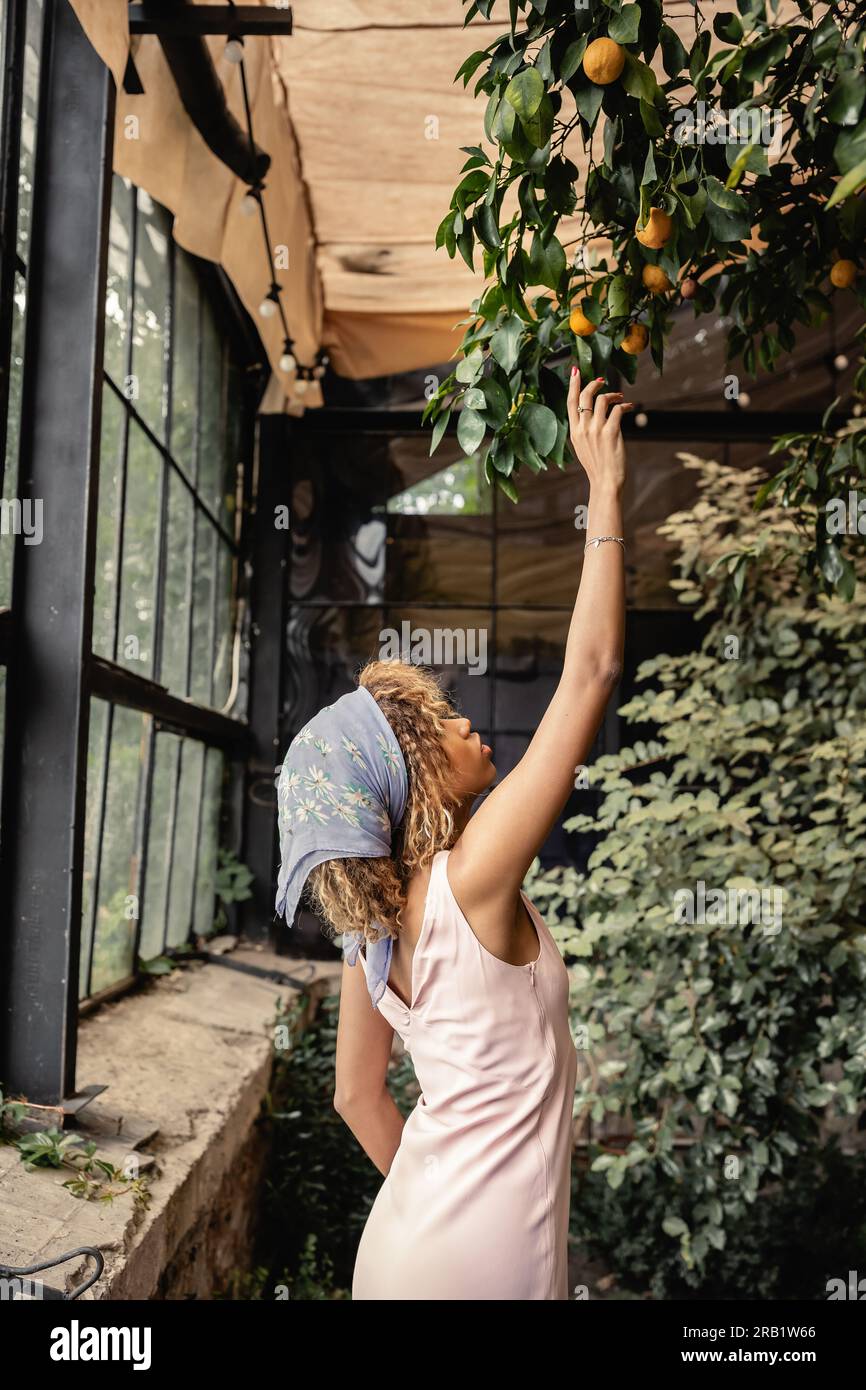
[(692, 208)]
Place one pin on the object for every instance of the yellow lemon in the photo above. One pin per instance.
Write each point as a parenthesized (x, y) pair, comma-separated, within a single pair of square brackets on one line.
[(654, 279), (635, 339), (658, 230), (843, 274), (603, 61), (580, 324)]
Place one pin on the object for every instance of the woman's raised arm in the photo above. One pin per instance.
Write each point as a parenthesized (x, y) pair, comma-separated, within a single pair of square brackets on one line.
[(490, 860)]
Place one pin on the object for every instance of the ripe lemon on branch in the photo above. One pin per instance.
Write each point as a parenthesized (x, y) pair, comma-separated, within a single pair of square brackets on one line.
[(843, 274), (635, 339), (658, 230), (655, 280), (579, 324), (604, 61)]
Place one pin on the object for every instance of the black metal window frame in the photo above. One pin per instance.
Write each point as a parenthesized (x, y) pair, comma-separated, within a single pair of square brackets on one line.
[(215, 289), (46, 743)]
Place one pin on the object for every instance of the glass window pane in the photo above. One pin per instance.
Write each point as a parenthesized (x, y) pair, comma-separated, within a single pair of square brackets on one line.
[(159, 840), (116, 884), (222, 671), (13, 433), (183, 864), (140, 537), (204, 584), (108, 524), (150, 312), (211, 457), (205, 888), (184, 363), (32, 52), (178, 564), (97, 766), (117, 288)]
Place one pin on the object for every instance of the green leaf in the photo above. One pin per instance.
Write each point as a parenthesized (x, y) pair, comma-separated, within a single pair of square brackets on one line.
[(850, 183), (649, 168), (674, 1226), (486, 227), (850, 148), (674, 56), (724, 225), (723, 197), (469, 367), (540, 423), (625, 26), (571, 59), (618, 301), (439, 429), (537, 128), (639, 80), (547, 262), (470, 430), (505, 343), (525, 93), (846, 99), (651, 121), (506, 485), (496, 402), (728, 26), (588, 98)]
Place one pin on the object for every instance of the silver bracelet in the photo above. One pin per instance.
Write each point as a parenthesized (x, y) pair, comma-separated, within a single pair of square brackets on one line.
[(597, 540)]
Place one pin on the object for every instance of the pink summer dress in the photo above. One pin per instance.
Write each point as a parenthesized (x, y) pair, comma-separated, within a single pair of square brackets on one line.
[(476, 1202)]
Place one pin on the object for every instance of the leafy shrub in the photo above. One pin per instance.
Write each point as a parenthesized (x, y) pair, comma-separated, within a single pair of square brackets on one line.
[(743, 1032)]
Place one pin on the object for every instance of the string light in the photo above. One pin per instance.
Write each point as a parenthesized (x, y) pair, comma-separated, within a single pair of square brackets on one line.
[(744, 400), (271, 302), (641, 419), (840, 362)]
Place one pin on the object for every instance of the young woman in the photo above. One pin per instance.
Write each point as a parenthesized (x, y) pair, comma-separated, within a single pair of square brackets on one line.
[(475, 1202)]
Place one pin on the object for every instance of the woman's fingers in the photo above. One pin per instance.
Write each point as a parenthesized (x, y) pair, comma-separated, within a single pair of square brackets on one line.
[(616, 414), (602, 401), (590, 391), (573, 399)]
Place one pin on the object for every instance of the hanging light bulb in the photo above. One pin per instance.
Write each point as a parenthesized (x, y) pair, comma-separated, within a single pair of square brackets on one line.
[(641, 420), (840, 362), (270, 303), (301, 382), (744, 400), (234, 50), (249, 203), (287, 361)]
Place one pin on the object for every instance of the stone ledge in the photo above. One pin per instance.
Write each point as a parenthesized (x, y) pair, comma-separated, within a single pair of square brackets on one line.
[(187, 1063)]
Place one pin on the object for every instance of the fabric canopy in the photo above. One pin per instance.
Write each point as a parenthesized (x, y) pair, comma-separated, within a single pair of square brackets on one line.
[(364, 124)]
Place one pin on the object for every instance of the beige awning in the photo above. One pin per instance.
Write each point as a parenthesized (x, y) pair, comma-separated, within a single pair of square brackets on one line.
[(364, 125)]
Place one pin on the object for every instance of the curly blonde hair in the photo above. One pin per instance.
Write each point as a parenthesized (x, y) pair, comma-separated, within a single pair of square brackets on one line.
[(355, 894)]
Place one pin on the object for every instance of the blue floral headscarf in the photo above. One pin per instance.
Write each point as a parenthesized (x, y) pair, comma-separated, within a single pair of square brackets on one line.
[(341, 794)]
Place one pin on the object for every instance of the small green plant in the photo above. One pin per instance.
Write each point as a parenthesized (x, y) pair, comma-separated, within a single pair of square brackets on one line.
[(233, 881), (95, 1179)]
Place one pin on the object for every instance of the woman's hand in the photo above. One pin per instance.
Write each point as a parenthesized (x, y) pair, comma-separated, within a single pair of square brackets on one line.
[(596, 431)]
